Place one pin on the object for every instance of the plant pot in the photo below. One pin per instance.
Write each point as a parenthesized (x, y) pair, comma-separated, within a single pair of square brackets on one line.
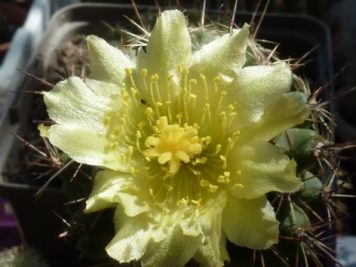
[(23, 43), (39, 225)]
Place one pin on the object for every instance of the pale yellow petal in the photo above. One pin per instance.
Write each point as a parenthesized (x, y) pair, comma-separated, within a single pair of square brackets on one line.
[(131, 240), (255, 87), (87, 146), (260, 168), (155, 238), (250, 223), (212, 252), (72, 103), (224, 56), (111, 188), (107, 63), (168, 48), (291, 109)]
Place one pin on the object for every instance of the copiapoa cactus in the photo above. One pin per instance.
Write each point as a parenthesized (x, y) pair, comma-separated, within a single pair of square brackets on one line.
[(195, 148)]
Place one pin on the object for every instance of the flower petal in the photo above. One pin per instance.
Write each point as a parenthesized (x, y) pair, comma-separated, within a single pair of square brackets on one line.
[(212, 251), (111, 188), (175, 250), (86, 146), (155, 238), (169, 47), (73, 103), (225, 55), (107, 63), (79, 109), (250, 223), (131, 240), (262, 168), (256, 87), (283, 113)]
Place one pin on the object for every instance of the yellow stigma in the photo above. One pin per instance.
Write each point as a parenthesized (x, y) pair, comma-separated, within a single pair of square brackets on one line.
[(173, 144)]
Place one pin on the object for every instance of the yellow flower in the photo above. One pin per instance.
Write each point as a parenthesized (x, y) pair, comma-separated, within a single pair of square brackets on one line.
[(184, 142)]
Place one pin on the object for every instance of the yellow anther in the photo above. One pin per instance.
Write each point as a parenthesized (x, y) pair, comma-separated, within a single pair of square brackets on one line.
[(169, 187), (193, 82), (193, 96), (149, 111), (180, 69), (223, 179), (233, 114), (183, 202), (206, 140), (212, 188), (238, 186), (223, 159), (143, 72), (239, 172), (227, 174), (236, 135), (217, 79), (158, 104), (204, 183), (217, 148), (196, 202), (222, 114), (128, 71), (138, 134), (155, 77), (201, 160), (195, 172)]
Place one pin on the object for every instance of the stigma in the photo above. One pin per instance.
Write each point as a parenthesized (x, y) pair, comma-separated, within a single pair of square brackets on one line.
[(173, 144)]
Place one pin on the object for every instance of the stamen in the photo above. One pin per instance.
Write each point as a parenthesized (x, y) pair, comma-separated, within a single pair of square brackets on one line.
[(206, 90), (216, 81), (223, 159), (149, 112), (168, 104), (221, 98), (206, 113)]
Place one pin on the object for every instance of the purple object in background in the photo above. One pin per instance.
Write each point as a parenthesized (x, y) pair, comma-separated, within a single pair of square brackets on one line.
[(9, 235)]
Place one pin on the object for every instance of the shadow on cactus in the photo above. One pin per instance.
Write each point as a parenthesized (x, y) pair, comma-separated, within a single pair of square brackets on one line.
[(206, 149)]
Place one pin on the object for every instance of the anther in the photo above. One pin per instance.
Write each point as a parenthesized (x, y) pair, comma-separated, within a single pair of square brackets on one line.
[(128, 71), (143, 72), (212, 188)]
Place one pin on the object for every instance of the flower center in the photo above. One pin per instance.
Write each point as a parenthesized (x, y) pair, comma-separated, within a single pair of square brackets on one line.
[(173, 144)]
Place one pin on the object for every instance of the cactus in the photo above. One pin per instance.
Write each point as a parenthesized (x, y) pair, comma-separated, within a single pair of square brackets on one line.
[(206, 147)]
